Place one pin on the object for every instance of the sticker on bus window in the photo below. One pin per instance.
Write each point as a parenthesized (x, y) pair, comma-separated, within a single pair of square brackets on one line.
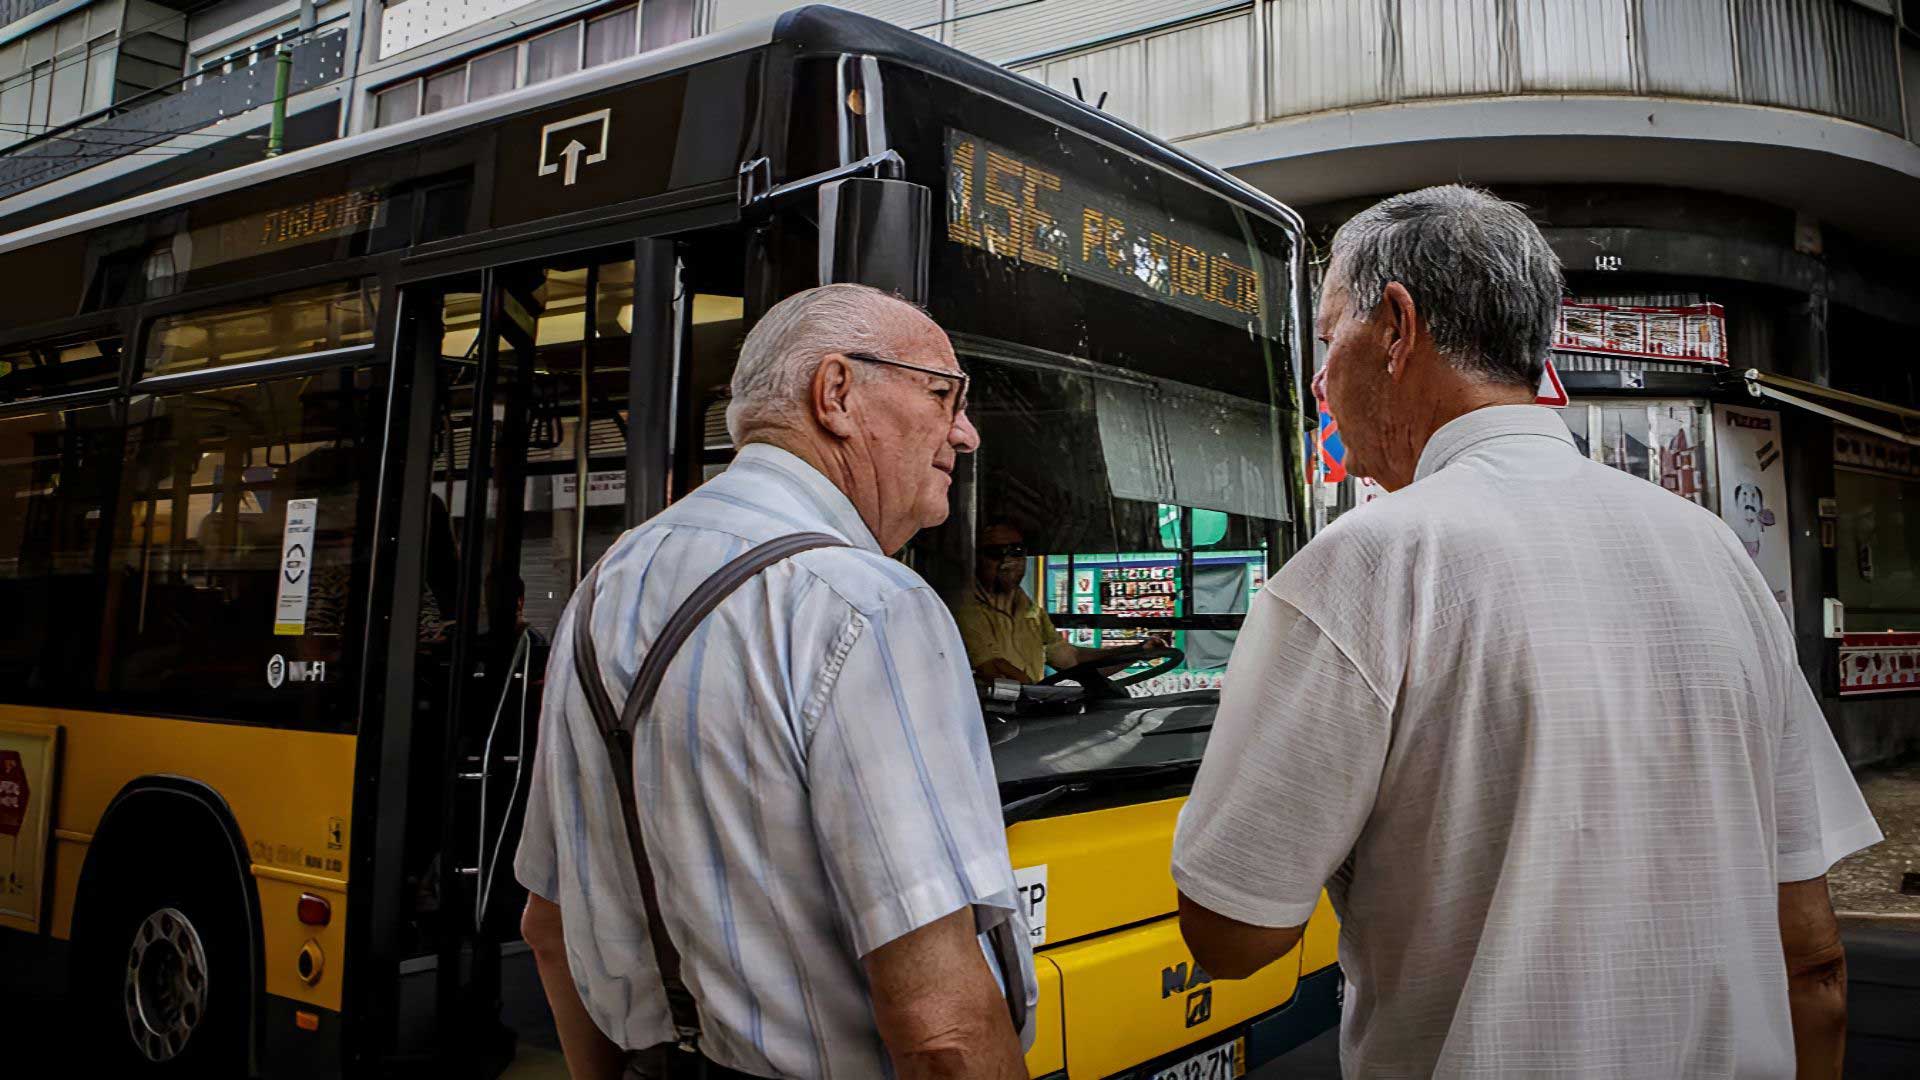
[(1031, 883), (296, 568)]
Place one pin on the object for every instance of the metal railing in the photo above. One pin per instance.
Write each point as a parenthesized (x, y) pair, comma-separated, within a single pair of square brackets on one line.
[(145, 121)]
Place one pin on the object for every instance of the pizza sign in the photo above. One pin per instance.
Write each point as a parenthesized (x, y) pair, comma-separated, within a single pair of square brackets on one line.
[(13, 792)]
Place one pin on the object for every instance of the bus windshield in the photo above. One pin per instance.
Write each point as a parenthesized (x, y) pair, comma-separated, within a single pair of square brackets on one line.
[(1129, 336)]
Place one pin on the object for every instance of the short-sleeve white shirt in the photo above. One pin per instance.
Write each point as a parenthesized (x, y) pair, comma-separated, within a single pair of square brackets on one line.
[(1538, 728), (813, 782)]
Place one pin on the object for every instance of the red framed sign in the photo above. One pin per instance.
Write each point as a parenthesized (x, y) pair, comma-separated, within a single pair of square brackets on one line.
[(1879, 663), (1696, 334)]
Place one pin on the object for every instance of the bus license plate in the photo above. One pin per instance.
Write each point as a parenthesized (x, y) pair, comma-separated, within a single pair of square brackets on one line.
[(1222, 1062)]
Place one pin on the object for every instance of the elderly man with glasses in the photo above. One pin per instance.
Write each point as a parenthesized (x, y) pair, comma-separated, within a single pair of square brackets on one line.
[(811, 783)]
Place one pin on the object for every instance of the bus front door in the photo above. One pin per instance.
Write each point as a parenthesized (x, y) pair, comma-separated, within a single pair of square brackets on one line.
[(530, 443)]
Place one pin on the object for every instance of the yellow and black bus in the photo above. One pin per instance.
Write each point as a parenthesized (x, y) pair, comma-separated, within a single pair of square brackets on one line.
[(299, 462)]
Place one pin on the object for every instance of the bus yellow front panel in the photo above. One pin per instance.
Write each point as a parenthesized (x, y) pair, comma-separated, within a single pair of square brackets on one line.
[(291, 792), (1049, 1053), (1102, 868), (1136, 994), (1320, 942)]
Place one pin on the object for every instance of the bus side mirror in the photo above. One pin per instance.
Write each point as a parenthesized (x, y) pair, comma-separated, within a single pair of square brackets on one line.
[(878, 233)]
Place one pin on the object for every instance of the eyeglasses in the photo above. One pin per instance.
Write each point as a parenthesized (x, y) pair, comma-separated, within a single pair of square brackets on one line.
[(1002, 551), (960, 377)]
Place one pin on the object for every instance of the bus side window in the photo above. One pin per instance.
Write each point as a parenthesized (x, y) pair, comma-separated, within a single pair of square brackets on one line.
[(238, 566), (56, 471)]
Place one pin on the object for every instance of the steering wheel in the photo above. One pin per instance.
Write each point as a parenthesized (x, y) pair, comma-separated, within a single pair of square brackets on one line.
[(1098, 685)]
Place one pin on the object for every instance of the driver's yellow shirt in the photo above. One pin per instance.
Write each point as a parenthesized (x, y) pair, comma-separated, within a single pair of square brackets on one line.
[(1017, 631)]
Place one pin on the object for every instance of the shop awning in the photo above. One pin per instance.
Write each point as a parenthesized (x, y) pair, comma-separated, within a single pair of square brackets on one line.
[(1835, 404)]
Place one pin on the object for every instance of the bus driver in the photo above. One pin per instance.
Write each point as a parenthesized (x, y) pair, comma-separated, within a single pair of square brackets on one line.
[(1007, 634)]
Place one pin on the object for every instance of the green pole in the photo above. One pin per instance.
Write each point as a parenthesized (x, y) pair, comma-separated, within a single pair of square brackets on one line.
[(282, 76)]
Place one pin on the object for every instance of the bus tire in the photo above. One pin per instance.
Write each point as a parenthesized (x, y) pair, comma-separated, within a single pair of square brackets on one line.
[(165, 973)]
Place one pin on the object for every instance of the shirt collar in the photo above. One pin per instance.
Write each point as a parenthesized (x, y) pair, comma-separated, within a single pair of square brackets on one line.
[(834, 512), (1462, 433)]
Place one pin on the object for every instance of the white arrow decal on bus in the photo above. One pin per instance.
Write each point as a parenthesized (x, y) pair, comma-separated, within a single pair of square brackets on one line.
[(572, 152)]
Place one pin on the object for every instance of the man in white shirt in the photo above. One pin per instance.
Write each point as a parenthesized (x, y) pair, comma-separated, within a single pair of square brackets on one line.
[(1536, 725)]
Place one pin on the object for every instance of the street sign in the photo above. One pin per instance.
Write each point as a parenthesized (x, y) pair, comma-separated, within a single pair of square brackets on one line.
[(1551, 393), (1332, 451)]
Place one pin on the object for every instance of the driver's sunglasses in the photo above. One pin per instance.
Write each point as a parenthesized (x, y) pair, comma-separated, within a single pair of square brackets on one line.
[(1003, 551), (960, 377)]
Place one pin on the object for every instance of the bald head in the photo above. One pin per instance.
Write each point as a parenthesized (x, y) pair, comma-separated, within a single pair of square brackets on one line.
[(866, 389), (773, 381)]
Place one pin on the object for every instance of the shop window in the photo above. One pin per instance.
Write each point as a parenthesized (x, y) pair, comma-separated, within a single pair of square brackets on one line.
[(60, 367), (238, 564), (56, 475), (289, 324), (1877, 539), (1661, 441)]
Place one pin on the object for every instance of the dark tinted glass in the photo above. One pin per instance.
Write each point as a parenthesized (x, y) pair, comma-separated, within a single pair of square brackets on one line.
[(56, 477), (30, 371), (1130, 333), (238, 571), (285, 324)]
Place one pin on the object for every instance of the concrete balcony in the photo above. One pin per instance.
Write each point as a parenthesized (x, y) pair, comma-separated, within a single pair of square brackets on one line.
[(159, 123), (1809, 104)]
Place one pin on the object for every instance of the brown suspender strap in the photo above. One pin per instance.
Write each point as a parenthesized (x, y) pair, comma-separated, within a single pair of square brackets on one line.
[(617, 729)]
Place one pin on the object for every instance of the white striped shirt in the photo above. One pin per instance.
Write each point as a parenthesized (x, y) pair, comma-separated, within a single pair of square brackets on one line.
[(813, 780)]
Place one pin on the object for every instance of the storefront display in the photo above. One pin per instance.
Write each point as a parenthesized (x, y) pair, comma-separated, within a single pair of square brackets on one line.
[(1696, 332), (1876, 486), (1753, 492), (1661, 440)]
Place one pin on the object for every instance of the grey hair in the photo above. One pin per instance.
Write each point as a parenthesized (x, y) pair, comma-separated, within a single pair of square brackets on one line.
[(777, 361), (1479, 271)]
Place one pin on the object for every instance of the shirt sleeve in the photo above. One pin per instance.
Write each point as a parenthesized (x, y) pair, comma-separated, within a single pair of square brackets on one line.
[(901, 784), (536, 862), (1820, 816), (1289, 777)]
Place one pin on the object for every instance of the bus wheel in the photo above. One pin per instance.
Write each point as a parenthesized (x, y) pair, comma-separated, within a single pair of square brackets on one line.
[(169, 976), (165, 989)]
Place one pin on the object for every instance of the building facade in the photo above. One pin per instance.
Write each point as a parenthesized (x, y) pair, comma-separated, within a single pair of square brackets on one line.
[(1733, 186)]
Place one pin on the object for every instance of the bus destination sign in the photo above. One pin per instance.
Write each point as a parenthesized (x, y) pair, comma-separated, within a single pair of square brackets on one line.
[(327, 217), (1001, 203)]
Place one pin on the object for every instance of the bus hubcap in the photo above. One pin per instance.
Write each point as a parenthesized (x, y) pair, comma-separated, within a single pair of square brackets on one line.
[(166, 985)]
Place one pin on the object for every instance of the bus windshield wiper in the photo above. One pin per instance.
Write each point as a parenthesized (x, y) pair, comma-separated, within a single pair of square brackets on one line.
[(1079, 783), (1028, 806)]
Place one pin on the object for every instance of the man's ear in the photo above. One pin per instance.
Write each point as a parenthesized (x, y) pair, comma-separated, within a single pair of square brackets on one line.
[(1402, 326), (832, 385)]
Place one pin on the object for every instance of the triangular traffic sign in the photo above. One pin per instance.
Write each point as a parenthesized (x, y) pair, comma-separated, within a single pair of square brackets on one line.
[(1551, 393)]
